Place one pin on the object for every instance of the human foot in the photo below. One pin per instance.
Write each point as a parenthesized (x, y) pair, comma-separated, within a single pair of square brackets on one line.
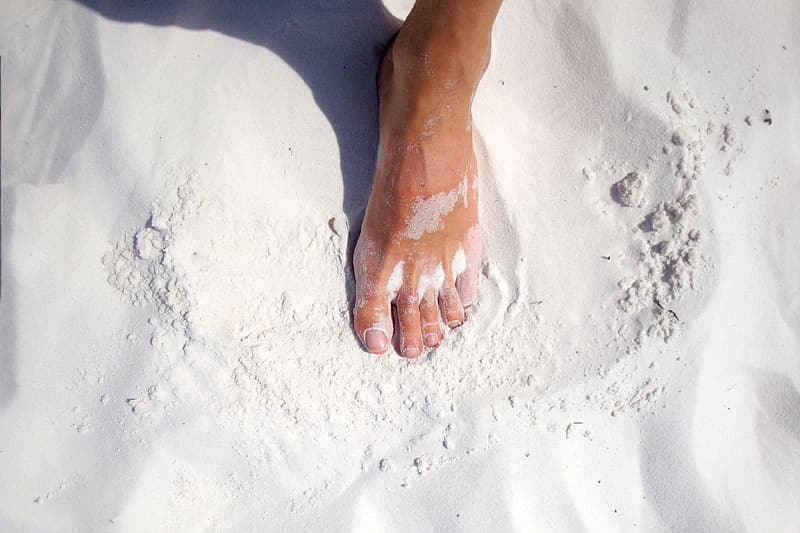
[(420, 243)]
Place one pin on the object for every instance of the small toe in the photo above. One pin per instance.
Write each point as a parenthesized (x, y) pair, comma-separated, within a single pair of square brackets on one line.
[(408, 318), (467, 281), (429, 312), (450, 304), (467, 287)]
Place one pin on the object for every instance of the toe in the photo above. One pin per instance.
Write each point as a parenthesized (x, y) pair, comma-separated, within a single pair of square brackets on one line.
[(450, 304), (372, 314), (408, 318), (429, 312), (467, 287), (373, 322), (376, 340), (467, 282)]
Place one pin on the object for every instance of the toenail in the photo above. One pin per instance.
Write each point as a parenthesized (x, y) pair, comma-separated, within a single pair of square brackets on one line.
[(376, 340), (454, 324), (431, 339), (411, 351)]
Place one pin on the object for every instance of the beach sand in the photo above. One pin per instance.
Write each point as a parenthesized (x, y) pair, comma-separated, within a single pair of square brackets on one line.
[(182, 185)]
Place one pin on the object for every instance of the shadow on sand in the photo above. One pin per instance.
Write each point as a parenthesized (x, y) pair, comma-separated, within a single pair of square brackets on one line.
[(334, 45)]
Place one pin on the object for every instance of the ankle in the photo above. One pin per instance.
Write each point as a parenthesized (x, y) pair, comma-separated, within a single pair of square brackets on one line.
[(426, 83), (451, 35), (446, 59)]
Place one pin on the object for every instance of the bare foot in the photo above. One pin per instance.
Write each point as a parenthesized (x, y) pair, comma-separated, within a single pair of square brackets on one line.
[(420, 244)]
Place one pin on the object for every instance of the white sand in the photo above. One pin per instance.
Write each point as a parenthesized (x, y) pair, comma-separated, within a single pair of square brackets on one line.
[(180, 188)]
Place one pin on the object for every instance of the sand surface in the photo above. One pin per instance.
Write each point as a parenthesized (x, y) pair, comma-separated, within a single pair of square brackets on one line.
[(182, 183)]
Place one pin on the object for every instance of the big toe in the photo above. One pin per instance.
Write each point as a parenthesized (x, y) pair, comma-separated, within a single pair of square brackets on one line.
[(373, 322), (376, 340)]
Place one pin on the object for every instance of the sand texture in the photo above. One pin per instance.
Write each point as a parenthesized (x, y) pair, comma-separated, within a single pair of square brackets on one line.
[(182, 184)]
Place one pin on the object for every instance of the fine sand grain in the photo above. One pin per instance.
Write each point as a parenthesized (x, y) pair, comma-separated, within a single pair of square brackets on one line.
[(181, 190)]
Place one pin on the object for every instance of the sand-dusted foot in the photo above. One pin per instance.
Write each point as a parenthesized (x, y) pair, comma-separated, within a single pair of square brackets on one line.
[(420, 244)]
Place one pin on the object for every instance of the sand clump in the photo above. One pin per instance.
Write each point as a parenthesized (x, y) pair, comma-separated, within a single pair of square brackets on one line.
[(670, 253), (630, 190), (143, 267), (673, 263)]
